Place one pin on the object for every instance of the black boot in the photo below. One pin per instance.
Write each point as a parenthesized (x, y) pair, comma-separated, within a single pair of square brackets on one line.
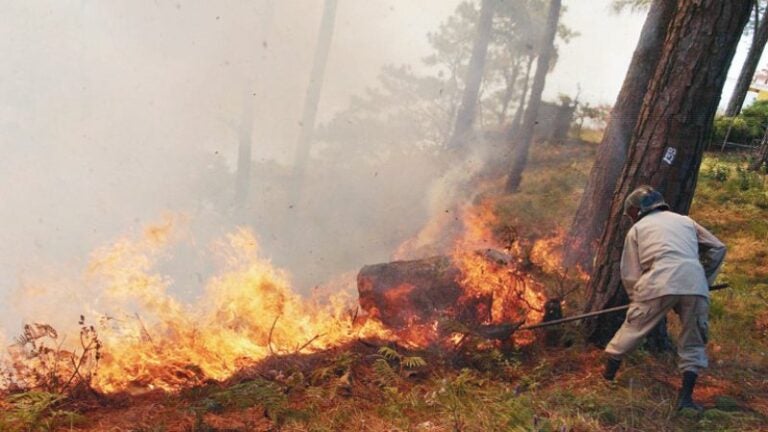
[(685, 398), (611, 367)]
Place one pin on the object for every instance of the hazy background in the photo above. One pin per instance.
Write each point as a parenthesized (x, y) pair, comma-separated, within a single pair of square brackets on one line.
[(113, 113)]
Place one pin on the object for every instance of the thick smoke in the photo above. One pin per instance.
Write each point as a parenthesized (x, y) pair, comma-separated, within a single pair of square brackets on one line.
[(114, 114)]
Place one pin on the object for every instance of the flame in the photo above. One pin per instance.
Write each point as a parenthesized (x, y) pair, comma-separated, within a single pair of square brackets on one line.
[(496, 281), (495, 286), (149, 339), (248, 312), (548, 254)]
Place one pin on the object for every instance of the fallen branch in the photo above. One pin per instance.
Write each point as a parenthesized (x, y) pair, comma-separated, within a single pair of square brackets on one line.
[(308, 342), (272, 329), (144, 332)]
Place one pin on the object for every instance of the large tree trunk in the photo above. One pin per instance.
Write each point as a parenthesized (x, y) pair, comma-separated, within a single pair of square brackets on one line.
[(313, 97), (749, 68), (524, 138), (465, 117), (590, 217), (671, 132)]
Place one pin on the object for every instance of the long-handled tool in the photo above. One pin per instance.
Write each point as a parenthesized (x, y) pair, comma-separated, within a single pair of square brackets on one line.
[(506, 330)]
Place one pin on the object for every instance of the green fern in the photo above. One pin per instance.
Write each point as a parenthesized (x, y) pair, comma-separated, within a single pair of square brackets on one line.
[(260, 392), (413, 362), (36, 411), (340, 366), (251, 393), (389, 353), (385, 375)]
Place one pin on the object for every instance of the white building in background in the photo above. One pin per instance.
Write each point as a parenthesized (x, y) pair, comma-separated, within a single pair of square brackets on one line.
[(760, 85)]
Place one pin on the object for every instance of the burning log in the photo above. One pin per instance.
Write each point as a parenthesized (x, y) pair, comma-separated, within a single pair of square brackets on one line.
[(403, 294)]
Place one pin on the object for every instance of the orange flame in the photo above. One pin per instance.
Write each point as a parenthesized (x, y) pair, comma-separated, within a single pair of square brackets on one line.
[(248, 312), (509, 293)]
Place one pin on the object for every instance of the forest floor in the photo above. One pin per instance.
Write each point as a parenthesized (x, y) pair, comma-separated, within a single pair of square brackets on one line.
[(374, 386)]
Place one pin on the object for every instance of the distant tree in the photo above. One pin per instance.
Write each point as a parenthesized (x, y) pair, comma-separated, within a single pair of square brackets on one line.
[(760, 160), (633, 5), (671, 132), (244, 162), (523, 140), (592, 213), (530, 21), (245, 128), (598, 114), (465, 116), (760, 38), (405, 112), (312, 98), (517, 27), (518, 118)]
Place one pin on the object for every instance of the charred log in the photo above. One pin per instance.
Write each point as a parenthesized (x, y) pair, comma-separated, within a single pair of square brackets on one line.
[(401, 294)]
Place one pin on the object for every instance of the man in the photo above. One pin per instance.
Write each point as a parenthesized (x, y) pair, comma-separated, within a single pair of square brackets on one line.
[(668, 262)]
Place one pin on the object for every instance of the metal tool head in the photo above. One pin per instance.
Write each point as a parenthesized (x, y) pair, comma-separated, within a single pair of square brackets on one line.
[(497, 331)]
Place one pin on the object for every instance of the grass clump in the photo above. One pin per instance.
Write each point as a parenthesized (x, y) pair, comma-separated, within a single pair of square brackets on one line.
[(36, 411)]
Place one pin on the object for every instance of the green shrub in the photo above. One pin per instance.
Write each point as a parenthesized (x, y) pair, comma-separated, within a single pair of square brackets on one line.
[(718, 172), (744, 128), (739, 130)]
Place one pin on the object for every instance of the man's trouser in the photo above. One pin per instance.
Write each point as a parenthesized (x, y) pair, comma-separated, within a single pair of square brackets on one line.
[(642, 317)]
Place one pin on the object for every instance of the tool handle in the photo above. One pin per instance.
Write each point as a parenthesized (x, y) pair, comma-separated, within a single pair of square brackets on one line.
[(597, 313)]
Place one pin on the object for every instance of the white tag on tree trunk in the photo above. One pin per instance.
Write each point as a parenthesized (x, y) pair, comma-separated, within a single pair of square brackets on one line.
[(669, 155)]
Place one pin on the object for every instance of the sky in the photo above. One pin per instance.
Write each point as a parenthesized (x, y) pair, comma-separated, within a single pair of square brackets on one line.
[(108, 107)]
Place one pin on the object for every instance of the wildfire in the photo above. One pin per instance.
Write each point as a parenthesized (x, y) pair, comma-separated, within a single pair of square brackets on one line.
[(492, 279), (485, 280), (247, 313), (144, 338)]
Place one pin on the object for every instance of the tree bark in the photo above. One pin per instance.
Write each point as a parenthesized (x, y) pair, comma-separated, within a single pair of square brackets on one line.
[(524, 138), (749, 68), (669, 138), (465, 117), (590, 217), (518, 119), (761, 156), (313, 97)]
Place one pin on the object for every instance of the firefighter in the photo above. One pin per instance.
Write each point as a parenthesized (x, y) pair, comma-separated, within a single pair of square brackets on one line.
[(668, 262)]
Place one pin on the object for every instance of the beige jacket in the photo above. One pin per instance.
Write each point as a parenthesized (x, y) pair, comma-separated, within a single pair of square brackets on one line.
[(669, 254)]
